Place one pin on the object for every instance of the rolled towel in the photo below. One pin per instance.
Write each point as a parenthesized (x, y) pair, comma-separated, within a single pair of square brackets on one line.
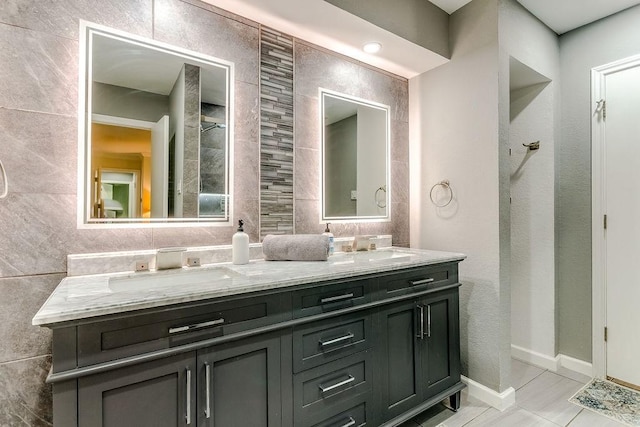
[(296, 247)]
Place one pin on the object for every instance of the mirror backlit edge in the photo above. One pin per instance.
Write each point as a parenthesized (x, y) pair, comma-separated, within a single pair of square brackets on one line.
[(355, 171), (86, 178)]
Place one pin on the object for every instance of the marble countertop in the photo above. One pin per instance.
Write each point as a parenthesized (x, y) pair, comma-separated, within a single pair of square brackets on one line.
[(82, 297)]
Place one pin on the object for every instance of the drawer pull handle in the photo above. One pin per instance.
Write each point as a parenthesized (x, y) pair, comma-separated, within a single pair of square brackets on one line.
[(336, 340), (422, 282), (188, 417), (336, 385), (349, 423), (429, 321), (207, 410), (336, 298), (195, 326)]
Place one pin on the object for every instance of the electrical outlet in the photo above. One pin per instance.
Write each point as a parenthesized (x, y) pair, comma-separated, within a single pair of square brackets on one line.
[(193, 262), (142, 266), (354, 195)]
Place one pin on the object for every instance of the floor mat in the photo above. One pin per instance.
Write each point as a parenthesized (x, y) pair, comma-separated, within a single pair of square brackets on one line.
[(611, 400)]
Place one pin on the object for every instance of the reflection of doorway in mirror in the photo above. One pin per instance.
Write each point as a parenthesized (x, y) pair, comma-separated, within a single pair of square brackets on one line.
[(117, 145), (119, 191)]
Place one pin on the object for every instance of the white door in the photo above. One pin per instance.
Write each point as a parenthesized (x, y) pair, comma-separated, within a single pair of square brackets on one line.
[(160, 168), (622, 235)]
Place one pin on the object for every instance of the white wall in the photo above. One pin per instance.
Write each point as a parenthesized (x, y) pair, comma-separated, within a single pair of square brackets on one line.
[(454, 135), (597, 44), (372, 159), (532, 115), (176, 126)]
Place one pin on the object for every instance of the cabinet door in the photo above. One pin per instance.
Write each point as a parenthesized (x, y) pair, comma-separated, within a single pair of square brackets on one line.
[(441, 352), (155, 394), (239, 383), (398, 355)]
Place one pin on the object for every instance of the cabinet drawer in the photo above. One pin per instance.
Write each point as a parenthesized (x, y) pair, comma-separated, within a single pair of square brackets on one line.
[(419, 279), (331, 339), (137, 334), (325, 298), (321, 392)]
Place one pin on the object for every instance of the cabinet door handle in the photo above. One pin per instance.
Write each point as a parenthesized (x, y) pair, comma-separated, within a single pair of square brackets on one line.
[(336, 298), (336, 340), (349, 423), (336, 385), (188, 417), (196, 326), (420, 334), (421, 282), (429, 321), (207, 374)]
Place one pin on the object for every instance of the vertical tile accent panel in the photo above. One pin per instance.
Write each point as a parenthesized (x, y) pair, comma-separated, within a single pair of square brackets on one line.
[(276, 133)]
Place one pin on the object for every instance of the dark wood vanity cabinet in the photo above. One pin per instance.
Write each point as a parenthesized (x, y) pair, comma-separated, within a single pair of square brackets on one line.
[(418, 352), (367, 351)]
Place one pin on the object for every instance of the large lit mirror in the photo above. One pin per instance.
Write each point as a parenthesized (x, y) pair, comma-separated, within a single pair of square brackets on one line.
[(355, 159), (156, 132)]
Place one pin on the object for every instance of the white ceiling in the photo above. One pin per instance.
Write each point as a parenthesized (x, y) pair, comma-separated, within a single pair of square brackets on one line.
[(559, 15), (326, 25)]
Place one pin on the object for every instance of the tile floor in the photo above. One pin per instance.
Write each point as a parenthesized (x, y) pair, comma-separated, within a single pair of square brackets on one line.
[(541, 401)]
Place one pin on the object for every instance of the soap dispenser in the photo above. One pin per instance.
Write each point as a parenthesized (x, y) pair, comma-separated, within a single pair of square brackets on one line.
[(240, 245), (328, 232)]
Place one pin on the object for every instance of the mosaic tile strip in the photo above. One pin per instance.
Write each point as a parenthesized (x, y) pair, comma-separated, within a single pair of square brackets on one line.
[(276, 133)]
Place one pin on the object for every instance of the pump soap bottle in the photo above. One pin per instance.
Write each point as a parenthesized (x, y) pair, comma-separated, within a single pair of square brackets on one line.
[(328, 232), (240, 245)]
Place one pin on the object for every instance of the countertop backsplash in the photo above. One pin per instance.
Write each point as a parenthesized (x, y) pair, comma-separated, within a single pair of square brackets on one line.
[(116, 262)]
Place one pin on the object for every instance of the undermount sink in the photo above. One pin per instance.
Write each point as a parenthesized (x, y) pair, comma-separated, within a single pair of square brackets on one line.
[(171, 278), (388, 255)]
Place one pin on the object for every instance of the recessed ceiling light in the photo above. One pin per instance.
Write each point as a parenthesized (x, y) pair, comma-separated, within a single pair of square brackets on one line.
[(372, 47)]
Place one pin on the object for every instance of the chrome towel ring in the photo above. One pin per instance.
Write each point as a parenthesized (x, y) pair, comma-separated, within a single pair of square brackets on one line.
[(5, 183), (384, 203), (445, 184)]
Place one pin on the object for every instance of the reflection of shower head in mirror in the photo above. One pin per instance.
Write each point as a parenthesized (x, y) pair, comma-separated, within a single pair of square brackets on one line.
[(204, 129)]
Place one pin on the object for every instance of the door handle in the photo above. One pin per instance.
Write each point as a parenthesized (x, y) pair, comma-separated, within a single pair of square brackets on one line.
[(420, 334), (188, 417), (207, 373)]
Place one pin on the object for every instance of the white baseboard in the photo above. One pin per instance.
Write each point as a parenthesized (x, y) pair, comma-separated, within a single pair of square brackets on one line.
[(576, 365), (500, 401), (552, 363), (534, 358)]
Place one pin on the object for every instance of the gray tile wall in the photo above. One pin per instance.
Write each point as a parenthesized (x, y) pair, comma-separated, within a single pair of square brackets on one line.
[(38, 125)]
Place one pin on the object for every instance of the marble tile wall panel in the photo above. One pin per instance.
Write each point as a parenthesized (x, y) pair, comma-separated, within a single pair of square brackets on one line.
[(60, 18), (21, 298), (317, 68), (39, 151), (200, 29), (38, 72), (25, 398), (276, 133)]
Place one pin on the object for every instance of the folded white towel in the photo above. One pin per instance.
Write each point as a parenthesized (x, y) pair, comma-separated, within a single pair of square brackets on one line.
[(296, 247)]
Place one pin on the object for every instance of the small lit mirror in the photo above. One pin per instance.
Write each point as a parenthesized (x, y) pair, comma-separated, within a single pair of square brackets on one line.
[(156, 132), (355, 159)]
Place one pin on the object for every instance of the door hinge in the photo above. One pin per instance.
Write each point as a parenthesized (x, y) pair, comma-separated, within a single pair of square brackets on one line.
[(605, 222), (601, 107), (605, 333)]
